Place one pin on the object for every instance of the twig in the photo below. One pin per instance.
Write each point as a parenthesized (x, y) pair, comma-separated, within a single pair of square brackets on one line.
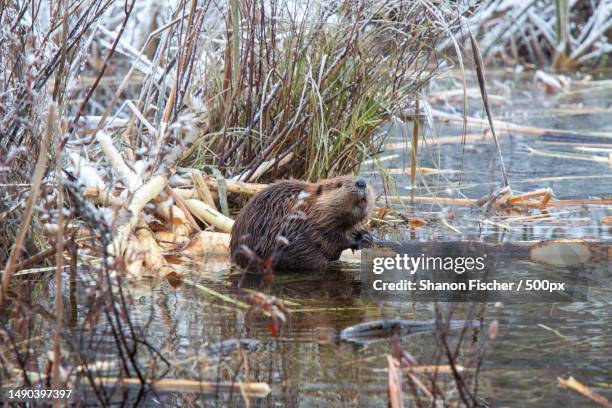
[(395, 384), (35, 259), (415, 147), (573, 384)]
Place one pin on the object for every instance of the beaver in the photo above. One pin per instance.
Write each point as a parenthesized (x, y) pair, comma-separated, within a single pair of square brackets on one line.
[(294, 225)]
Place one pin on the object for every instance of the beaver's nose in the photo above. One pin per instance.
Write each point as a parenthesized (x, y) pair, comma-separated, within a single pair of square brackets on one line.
[(361, 183)]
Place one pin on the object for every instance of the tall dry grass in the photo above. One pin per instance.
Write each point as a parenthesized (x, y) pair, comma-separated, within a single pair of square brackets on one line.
[(315, 89)]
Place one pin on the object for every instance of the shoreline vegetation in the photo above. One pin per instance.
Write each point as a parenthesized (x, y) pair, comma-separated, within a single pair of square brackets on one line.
[(132, 132)]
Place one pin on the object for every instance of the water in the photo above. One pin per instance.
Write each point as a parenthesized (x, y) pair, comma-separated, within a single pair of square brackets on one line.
[(306, 364)]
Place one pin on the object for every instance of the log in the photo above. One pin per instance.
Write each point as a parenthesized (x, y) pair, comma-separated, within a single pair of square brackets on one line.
[(171, 213), (144, 258), (209, 215), (153, 258), (233, 186), (208, 243), (175, 216), (524, 129), (251, 389), (254, 389)]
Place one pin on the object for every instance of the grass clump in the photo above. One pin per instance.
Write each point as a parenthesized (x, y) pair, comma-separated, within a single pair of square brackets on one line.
[(302, 92)]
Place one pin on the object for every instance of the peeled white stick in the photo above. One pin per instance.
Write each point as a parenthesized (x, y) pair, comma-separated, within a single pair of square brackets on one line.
[(183, 185), (209, 243), (175, 216), (102, 197), (154, 261), (251, 389), (141, 197), (131, 180), (234, 186), (209, 215)]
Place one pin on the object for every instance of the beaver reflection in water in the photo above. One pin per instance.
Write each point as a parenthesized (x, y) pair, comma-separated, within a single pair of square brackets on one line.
[(302, 226)]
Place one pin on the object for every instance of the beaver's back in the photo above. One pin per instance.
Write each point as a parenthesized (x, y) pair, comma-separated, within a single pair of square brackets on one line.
[(258, 224), (302, 226)]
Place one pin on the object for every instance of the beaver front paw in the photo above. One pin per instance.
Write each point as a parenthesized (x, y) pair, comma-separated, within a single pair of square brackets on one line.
[(362, 239)]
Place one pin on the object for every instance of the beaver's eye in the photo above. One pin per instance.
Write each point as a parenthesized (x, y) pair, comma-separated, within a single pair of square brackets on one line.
[(339, 184)]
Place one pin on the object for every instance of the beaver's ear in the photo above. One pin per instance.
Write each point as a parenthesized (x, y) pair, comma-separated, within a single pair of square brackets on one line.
[(319, 190)]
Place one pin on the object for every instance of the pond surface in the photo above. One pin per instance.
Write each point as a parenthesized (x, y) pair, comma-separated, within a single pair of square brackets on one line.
[(306, 364)]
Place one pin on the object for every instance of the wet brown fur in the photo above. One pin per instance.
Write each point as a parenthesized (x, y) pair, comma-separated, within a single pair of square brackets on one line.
[(302, 226)]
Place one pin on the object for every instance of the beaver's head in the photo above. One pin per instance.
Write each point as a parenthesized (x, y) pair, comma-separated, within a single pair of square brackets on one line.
[(341, 201)]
